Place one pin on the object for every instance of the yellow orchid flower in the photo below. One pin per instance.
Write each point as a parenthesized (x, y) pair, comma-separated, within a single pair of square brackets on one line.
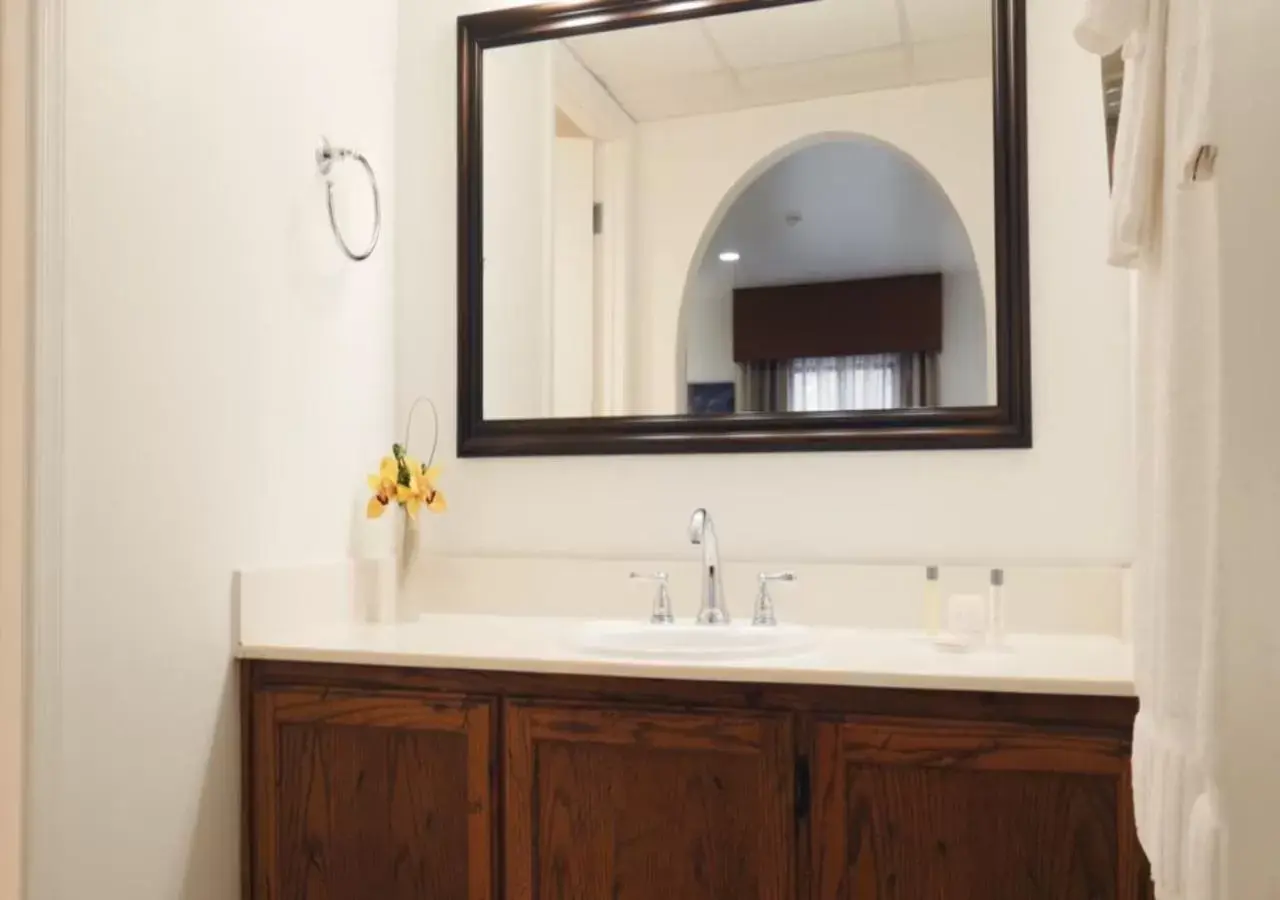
[(384, 487), (432, 496), (408, 482), (410, 498)]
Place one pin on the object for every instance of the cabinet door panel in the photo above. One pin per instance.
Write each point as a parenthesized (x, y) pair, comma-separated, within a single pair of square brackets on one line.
[(634, 805), (941, 811), (371, 796)]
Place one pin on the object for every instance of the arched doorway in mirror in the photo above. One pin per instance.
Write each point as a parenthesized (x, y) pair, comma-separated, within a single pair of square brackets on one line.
[(836, 275)]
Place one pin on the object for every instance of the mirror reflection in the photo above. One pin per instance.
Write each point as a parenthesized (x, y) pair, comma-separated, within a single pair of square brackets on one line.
[(784, 211)]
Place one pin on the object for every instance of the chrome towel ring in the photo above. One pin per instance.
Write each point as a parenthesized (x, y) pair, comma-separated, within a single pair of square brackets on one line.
[(326, 156)]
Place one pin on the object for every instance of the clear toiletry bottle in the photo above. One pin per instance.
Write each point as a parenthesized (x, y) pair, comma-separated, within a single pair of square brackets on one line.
[(932, 601), (995, 609)]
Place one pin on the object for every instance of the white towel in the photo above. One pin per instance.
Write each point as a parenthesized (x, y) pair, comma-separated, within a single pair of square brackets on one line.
[(1171, 236), (1191, 83), (1138, 28), (1106, 24)]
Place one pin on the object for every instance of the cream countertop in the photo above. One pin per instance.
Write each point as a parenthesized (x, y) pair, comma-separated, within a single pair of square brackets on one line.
[(1055, 664)]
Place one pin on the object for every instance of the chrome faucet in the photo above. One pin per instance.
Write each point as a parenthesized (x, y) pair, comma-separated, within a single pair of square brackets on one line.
[(703, 532)]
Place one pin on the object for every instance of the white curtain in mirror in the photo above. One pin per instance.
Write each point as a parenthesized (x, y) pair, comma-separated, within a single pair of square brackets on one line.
[(846, 382), (835, 383)]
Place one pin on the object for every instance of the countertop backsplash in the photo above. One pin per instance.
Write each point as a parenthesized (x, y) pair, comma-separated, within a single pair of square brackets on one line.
[(1049, 599), (1039, 599)]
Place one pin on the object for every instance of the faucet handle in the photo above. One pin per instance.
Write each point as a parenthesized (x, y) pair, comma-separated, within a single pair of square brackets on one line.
[(662, 614), (764, 614)]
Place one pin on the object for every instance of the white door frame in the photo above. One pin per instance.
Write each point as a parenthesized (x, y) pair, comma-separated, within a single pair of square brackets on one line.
[(15, 325), (613, 277), (39, 36), (598, 114)]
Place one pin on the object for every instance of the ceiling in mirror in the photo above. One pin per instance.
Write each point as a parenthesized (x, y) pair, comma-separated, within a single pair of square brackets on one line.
[(787, 54), (779, 213)]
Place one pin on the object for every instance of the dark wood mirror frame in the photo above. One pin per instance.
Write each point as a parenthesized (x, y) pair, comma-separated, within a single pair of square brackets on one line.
[(1007, 424)]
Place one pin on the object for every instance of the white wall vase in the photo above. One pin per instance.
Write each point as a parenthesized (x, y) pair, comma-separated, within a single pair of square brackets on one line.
[(407, 551), (390, 541), (380, 577), (409, 542)]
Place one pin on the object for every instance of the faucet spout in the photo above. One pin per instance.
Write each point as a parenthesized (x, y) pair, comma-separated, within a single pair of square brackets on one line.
[(702, 532)]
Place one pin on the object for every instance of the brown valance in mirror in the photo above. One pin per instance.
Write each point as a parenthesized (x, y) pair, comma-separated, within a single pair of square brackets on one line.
[(901, 314)]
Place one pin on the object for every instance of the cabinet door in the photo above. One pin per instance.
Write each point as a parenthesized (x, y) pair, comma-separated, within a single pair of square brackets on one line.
[(359, 796), (938, 811), (636, 805)]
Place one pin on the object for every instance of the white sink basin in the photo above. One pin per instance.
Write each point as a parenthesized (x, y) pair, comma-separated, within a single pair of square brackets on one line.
[(688, 642)]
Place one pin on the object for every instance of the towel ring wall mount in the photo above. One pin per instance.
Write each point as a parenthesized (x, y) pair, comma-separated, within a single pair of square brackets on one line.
[(326, 156)]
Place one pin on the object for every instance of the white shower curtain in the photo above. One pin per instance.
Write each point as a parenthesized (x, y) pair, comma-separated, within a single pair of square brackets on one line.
[(1166, 227)]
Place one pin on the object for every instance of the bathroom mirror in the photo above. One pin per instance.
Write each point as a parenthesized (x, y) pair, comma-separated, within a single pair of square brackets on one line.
[(734, 225)]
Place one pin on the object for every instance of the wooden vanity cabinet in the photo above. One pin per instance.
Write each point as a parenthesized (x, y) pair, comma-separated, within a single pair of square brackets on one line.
[(368, 783), (970, 811), (631, 804), (355, 794)]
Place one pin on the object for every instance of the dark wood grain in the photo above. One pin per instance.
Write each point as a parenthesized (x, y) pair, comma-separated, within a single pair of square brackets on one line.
[(1135, 871), (1005, 424), (607, 803), (250, 802), (968, 811), (1107, 716), (914, 794), (979, 746), (365, 795)]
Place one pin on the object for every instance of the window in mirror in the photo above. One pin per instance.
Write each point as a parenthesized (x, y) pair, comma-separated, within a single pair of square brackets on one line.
[(835, 383)]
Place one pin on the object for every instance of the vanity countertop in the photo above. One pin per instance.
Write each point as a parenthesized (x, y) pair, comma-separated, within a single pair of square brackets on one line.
[(1051, 664)]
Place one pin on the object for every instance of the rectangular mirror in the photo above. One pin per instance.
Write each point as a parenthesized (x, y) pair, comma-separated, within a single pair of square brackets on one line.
[(742, 225)]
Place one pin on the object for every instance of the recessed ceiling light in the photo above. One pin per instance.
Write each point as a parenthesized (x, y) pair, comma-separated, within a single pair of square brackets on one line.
[(730, 256)]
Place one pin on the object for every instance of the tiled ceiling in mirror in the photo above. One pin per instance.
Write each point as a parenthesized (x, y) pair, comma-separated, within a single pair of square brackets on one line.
[(788, 54)]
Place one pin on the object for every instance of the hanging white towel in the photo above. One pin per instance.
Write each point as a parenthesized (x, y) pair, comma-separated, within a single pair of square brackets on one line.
[(1175, 615), (1170, 235), (1137, 28), (1191, 84), (1106, 24)]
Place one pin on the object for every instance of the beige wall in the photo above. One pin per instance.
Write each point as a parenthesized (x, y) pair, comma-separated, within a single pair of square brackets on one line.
[(13, 387), (213, 335), (1246, 68)]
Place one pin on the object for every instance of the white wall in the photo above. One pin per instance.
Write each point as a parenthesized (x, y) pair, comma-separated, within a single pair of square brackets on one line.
[(549, 282), (708, 326), (519, 131), (1066, 499), (573, 300), (592, 108), (1247, 120), (227, 383), (683, 191), (967, 363)]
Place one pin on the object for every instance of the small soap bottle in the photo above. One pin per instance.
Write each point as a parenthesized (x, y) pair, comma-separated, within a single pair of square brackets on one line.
[(995, 609), (932, 601)]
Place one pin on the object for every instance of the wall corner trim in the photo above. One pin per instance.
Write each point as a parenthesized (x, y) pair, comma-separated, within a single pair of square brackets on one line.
[(44, 636)]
